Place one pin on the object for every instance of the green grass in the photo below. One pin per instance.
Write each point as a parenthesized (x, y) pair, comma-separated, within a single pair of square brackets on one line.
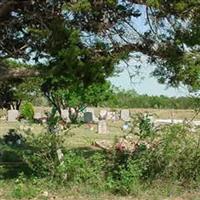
[(5, 126), (84, 135), (44, 190)]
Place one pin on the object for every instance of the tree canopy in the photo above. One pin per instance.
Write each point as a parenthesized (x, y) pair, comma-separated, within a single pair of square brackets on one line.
[(84, 40)]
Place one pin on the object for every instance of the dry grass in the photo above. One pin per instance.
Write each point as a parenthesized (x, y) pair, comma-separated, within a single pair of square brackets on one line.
[(169, 113)]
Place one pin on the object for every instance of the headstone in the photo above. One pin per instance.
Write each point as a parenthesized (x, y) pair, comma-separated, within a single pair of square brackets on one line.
[(88, 109), (103, 115), (13, 115), (111, 116), (102, 127), (125, 115), (94, 118), (88, 117), (117, 115), (37, 116), (65, 114)]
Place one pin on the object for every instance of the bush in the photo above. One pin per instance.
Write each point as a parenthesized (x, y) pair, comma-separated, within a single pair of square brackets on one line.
[(36, 154), (41, 155), (27, 111), (124, 175), (180, 154), (77, 169), (174, 153)]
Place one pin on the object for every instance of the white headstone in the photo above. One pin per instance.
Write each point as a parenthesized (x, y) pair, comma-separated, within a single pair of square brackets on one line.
[(111, 116), (88, 117), (65, 114), (103, 114), (13, 115), (102, 127), (125, 115)]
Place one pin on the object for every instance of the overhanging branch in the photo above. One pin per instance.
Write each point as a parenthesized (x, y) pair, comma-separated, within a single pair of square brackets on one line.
[(6, 7), (7, 74)]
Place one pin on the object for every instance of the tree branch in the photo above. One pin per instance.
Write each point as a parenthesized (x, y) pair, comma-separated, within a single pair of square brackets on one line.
[(6, 7), (7, 74)]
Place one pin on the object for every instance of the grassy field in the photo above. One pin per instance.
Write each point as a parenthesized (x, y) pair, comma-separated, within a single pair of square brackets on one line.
[(78, 136)]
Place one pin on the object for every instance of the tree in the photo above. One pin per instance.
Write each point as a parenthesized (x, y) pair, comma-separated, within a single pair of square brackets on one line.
[(102, 32), (8, 99), (76, 97), (13, 92)]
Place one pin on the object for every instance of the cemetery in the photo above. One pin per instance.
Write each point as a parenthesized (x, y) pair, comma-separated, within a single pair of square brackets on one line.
[(99, 129), (99, 100)]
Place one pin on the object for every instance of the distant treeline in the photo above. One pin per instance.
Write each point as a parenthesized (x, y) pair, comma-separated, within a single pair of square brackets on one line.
[(130, 99)]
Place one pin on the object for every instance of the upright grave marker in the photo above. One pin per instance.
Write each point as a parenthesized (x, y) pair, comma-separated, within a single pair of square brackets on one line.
[(88, 117), (112, 116), (125, 115), (13, 115), (65, 114), (102, 127), (103, 115)]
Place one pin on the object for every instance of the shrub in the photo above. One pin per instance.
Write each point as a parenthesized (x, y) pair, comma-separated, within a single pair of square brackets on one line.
[(180, 154), (124, 178), (41, 155), (27, 111), (170, 152), (77, 169)]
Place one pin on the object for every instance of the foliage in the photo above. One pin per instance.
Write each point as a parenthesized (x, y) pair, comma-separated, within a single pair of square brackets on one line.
[(27, 111), (143, 125), (8, 98), (13, 92), (22, 189), (130, 99), (80, 43), (41, 156), (76, 97), (77, 169), (124, 175), (90, 44), (180, 154)]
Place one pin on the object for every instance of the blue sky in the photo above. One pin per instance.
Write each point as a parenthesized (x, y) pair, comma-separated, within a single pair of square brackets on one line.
[(144, 83), (148, 86)]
